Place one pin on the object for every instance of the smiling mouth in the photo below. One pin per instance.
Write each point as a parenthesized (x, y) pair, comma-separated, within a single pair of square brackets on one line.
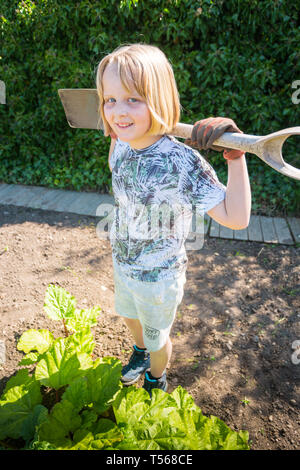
[(123, 126)]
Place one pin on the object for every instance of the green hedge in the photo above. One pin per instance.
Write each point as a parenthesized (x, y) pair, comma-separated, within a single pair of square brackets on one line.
[(236, 58)]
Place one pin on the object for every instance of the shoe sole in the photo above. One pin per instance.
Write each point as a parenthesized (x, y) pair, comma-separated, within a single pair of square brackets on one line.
[(131, 382)]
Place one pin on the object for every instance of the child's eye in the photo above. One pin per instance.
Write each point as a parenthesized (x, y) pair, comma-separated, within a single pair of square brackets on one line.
[(132, 100), (110, 100)]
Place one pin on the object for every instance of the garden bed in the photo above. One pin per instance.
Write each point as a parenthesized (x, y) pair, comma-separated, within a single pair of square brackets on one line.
[(233, 337)]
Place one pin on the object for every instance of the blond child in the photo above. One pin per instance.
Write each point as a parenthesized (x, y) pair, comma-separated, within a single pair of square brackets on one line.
[(153, 173)]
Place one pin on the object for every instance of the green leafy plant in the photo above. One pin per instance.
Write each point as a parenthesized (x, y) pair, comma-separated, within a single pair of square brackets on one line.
[(71, 401), (245, 401), (236, 58)]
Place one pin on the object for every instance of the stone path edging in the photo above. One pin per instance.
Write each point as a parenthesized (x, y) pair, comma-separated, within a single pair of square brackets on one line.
[(276, 230)]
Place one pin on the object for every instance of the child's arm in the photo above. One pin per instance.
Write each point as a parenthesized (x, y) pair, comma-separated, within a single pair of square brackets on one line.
[(234, 211)]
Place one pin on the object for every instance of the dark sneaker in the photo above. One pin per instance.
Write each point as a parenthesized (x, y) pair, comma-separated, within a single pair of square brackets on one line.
[(150, 383), (139, 361)]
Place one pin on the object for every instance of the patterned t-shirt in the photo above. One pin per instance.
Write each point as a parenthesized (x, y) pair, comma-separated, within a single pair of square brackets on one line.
[(156, 190)]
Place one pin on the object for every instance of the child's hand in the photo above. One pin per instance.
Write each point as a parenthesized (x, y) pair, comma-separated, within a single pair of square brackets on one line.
[(206, 131)]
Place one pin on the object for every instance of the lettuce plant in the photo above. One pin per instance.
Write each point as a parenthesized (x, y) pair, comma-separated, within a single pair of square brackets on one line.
[(64, 399)]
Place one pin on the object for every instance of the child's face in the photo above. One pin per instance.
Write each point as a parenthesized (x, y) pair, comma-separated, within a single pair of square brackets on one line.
[(127, 113)]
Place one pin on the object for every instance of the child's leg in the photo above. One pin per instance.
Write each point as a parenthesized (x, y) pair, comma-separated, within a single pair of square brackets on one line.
[(136, 330), (159, 359), (139, 361)]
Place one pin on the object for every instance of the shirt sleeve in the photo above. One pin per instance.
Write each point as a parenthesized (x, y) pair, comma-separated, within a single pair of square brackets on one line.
[(119, 149), (198, 182)]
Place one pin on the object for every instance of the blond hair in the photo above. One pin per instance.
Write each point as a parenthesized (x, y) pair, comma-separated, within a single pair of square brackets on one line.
[(146, 69)]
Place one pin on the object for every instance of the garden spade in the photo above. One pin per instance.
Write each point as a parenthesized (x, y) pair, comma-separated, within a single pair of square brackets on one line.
[(81, 107)]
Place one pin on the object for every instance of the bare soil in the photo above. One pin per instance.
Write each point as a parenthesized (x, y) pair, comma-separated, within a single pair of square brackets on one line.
[(235, 332)]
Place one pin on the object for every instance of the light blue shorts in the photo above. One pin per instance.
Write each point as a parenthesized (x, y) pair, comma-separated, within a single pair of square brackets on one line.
[(153, 303)]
